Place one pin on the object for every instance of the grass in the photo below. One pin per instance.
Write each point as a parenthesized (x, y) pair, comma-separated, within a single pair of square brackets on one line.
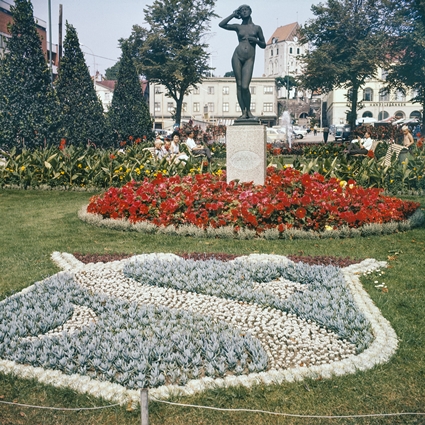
[(36, 223)]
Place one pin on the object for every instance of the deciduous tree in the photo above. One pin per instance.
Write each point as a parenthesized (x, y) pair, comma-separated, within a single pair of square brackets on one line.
[(82, 120), (172, 51), (408, 50), (348, 42), (28, 106)]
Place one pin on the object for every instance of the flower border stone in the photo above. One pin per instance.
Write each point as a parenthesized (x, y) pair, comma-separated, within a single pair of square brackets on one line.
[(379, 351)]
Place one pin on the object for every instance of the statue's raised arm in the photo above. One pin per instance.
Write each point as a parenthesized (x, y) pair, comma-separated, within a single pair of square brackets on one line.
[(249, 36)]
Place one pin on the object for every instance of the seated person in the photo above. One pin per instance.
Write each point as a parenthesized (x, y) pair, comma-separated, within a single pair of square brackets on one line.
[(362, 148), (197, 149), (175, 149), (159, 151)]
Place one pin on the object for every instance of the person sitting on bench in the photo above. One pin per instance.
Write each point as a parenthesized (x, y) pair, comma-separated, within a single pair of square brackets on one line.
[(197, 149), (362, 148)]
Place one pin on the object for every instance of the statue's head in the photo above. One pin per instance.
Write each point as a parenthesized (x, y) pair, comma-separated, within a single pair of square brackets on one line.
[(245, 6)]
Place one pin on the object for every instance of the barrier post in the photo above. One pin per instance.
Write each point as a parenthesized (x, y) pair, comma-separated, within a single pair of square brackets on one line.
[(144, 409)]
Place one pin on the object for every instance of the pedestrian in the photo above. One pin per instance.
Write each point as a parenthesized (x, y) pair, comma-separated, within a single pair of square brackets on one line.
[(325, 133), (315, 130)]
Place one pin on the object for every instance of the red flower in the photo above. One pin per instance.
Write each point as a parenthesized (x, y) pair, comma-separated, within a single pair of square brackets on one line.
[(112, 156), (123, 143), (371, 154), (62, 144), (300, 212)]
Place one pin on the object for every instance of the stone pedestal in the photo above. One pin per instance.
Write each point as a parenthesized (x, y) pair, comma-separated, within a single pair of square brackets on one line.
[(246, 158)]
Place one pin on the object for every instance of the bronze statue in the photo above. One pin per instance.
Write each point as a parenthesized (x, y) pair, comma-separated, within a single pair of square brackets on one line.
[(249, 35)]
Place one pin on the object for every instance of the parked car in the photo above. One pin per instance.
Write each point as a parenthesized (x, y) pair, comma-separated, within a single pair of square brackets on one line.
[(342, 132), (275, 134), (299, 131)]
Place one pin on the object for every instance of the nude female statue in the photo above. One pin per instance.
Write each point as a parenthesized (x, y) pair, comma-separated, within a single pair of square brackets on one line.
[(249, 35)]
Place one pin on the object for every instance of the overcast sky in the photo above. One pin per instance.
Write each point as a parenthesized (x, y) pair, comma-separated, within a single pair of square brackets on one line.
[(101, 23)]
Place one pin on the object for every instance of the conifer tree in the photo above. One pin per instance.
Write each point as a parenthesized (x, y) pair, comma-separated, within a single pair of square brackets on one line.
[(82, 120), (129, 113), (27, 100)]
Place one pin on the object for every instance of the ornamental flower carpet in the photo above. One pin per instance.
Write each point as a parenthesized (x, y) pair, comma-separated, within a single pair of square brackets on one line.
[(178, 325)]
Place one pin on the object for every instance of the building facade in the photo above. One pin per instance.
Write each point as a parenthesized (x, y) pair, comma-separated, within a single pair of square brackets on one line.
[(6, 19), (215, 101), (376, 103)]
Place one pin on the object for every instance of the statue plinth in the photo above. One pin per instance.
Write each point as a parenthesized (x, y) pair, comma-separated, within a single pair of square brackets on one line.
[(246, 157), (247, 121)]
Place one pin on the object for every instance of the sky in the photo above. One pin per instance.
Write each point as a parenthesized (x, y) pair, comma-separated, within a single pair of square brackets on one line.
[(101, 23)]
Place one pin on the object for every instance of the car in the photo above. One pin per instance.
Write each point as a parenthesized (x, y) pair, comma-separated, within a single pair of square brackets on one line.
[(299, 132), (342, 132), (274, 134)]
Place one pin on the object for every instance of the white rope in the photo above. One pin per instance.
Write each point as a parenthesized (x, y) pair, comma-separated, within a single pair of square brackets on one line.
[(287, 414), (59, 408)]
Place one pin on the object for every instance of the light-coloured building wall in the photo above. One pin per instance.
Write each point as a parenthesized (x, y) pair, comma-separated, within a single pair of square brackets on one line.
[(377, 103), (215, 101)]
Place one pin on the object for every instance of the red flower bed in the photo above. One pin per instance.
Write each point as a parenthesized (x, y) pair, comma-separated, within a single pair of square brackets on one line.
[(288, 199)]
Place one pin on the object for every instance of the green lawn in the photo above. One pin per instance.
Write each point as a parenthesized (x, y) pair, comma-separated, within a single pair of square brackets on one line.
[(36, 223)]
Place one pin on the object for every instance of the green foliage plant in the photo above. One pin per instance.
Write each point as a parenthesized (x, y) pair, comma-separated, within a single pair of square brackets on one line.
[(28, 106), (128, 116), (82, 120)]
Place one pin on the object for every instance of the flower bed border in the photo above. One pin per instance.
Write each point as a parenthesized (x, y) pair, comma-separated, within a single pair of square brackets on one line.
[(417, 219), (380, 351)]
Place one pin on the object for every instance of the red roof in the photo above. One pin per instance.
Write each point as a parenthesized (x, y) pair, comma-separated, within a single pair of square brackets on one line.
[(284, 33), (110, 84)]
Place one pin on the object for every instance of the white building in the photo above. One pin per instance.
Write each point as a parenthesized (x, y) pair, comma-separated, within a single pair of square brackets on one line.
[(215, 101), (105, 91), (281, 55), (378, 104)]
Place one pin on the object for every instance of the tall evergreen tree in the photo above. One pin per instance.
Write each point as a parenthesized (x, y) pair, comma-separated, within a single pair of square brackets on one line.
[(129, 112), (82, 120), (27, 101), (349, 41)]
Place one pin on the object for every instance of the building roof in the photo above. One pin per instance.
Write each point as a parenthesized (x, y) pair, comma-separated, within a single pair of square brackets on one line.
[(284, 33), (110, 84)]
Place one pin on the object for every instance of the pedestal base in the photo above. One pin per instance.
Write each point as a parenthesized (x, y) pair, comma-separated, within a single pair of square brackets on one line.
[(246, 158)]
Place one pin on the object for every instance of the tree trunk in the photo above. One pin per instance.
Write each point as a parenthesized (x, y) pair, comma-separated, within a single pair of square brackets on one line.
[(353, 112)]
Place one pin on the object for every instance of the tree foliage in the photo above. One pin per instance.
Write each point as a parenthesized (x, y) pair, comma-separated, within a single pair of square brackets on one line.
[(289, 82), (349, 42), (408, 47), (27, 102), (172, 52), (129, 115), (112, 72), (82, 119)]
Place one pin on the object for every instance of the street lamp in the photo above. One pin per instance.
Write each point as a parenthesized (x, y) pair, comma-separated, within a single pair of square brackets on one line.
[(154, 103)]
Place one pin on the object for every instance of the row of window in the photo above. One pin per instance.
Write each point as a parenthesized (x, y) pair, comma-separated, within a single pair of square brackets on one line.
[(383, 95), (225, 90), (399, 115), (291, 51), (210, 107)]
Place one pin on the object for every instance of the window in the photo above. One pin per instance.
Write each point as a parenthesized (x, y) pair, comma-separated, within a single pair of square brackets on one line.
[(238, 108), (170, 107), (290, 50), (268, 107), (268, 89), (384, 96), (196, 107), (158, 90), (157, 107), (415, 114), (271, 52), (210, 107), (368, 94), (399, 115), (184, 107), (210, 90), (383, 115), (252, 89), (252, 106), (107, 96), (196, 90), (400, 96), (298, 50), (225, 106), (277, 52), (271, 68), (367, 114), (226, 90)]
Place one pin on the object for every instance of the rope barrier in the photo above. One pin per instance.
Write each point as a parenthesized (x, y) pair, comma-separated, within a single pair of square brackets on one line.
[(59, 408), (293, 415)]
